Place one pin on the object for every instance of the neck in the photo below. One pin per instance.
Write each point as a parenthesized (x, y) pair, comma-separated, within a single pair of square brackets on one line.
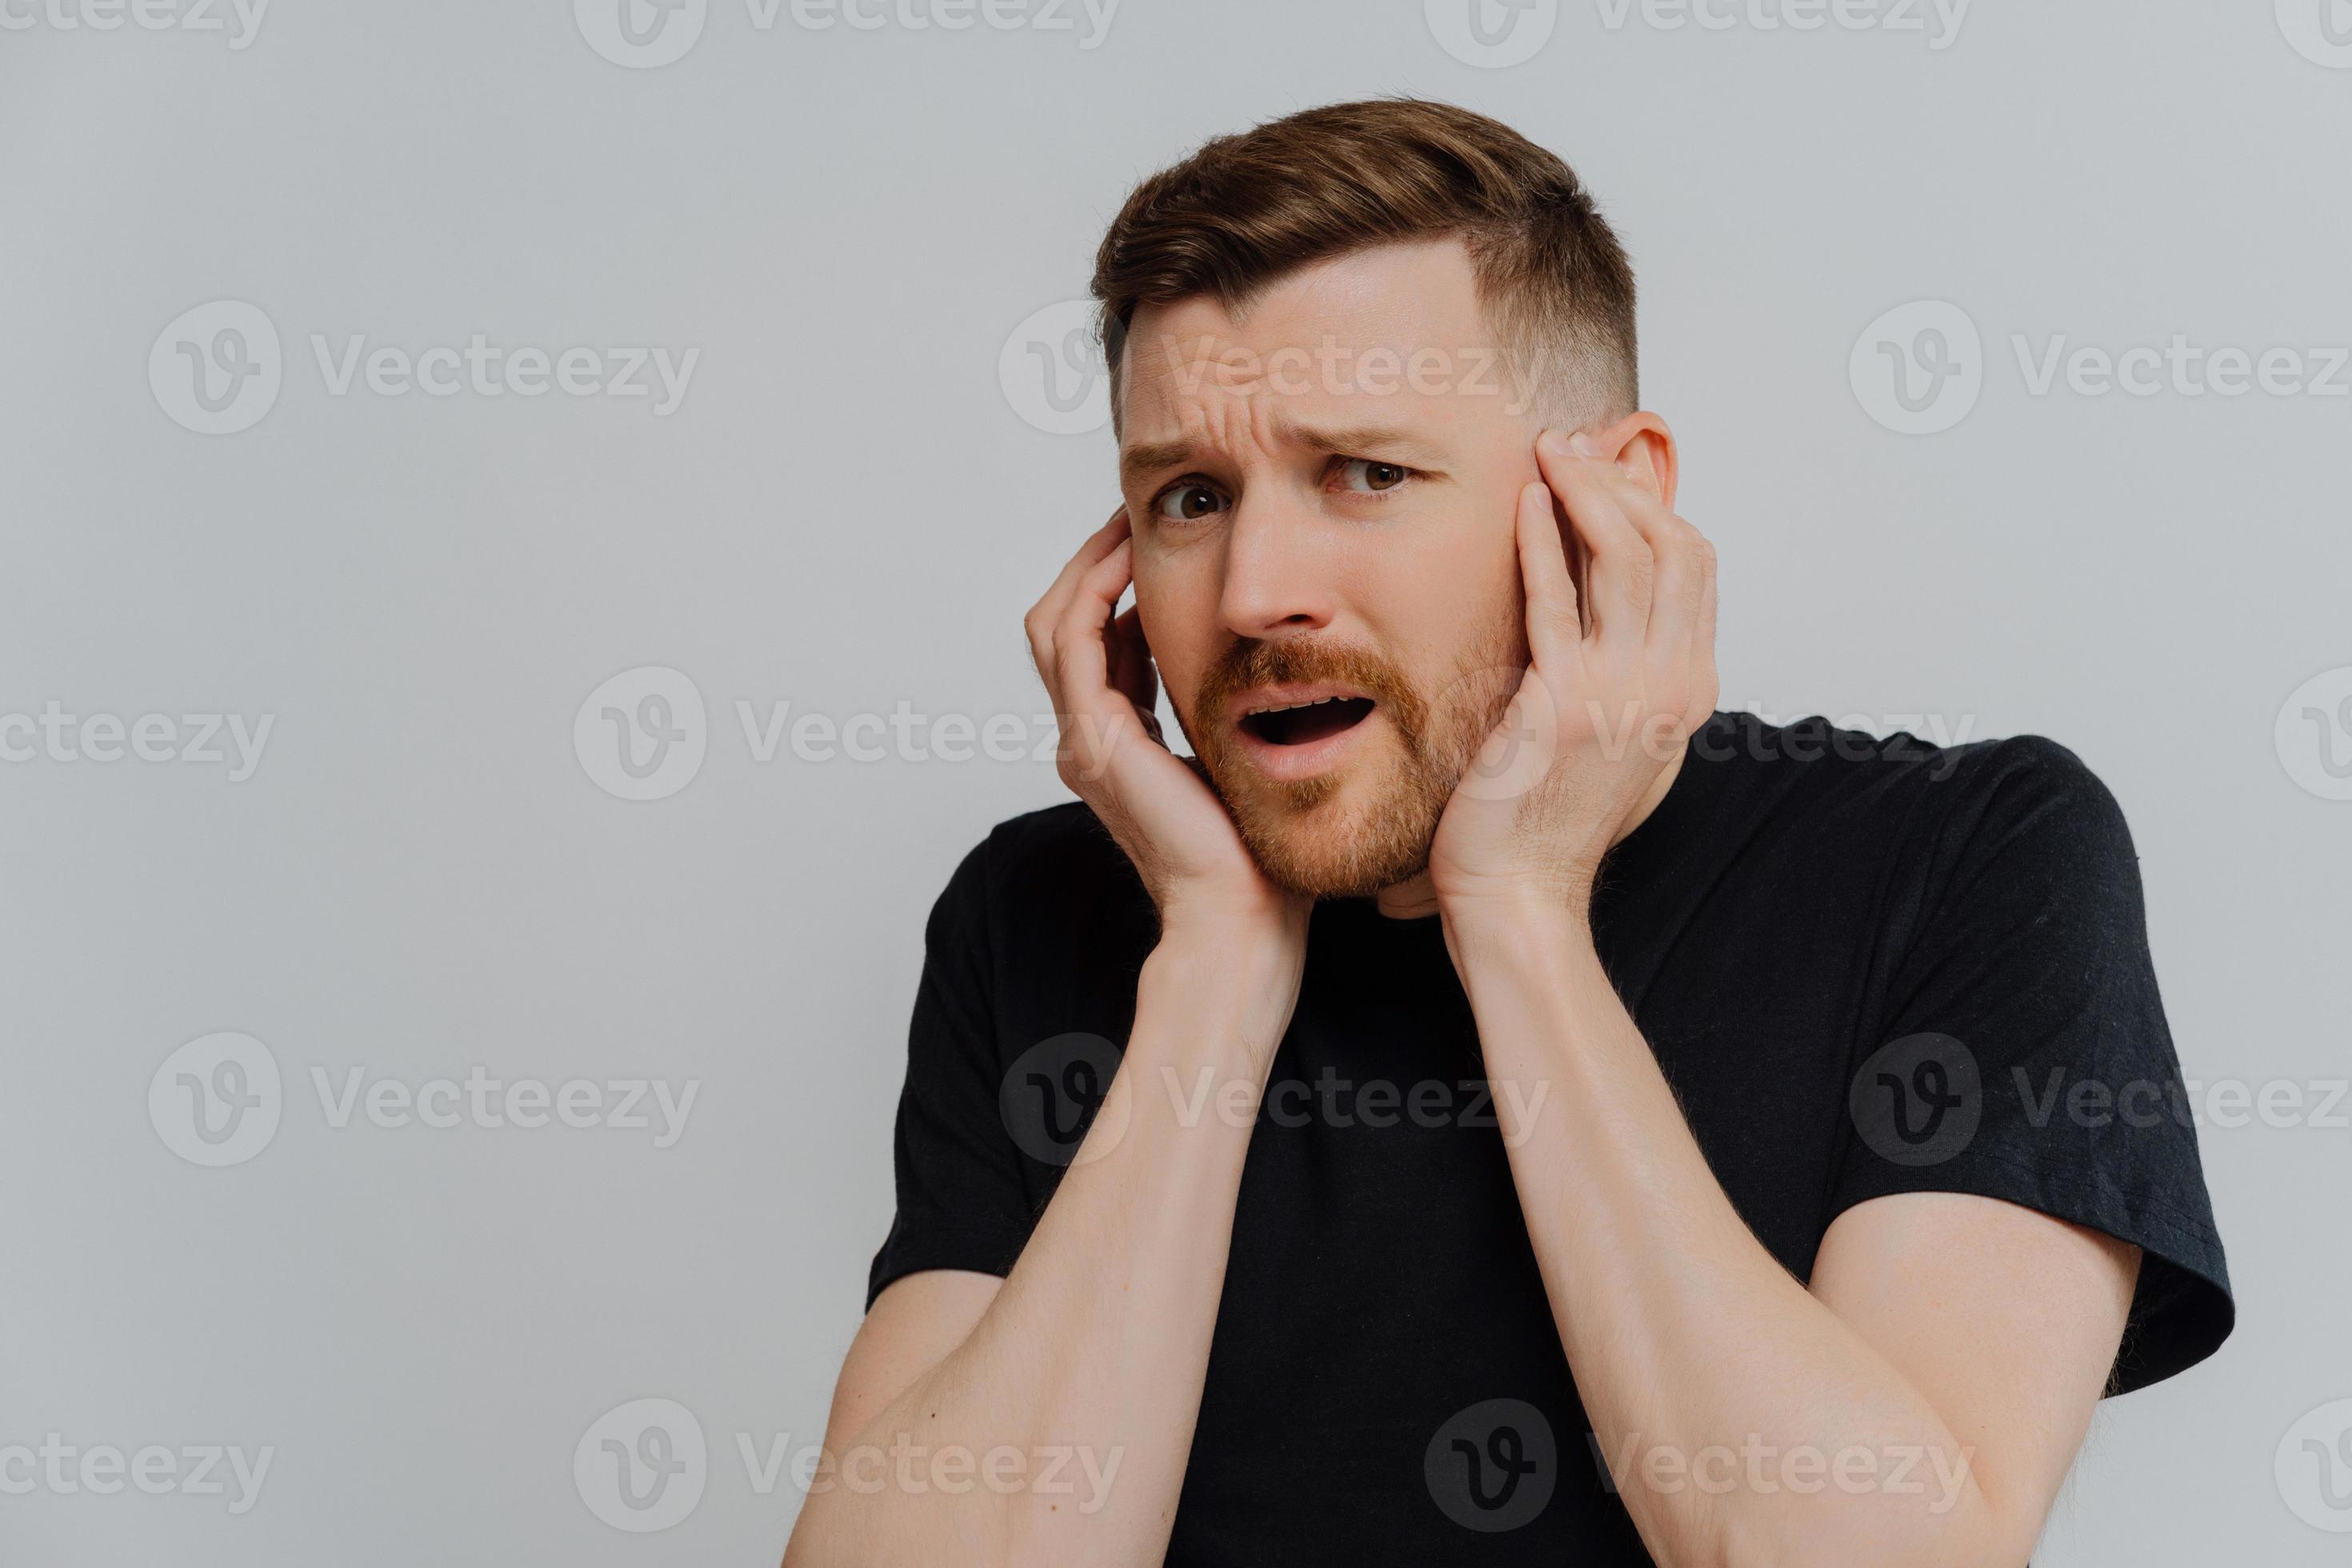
[(1416, 896)]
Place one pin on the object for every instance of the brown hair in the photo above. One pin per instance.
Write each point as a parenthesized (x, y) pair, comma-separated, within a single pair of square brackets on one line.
[(1249, 207)]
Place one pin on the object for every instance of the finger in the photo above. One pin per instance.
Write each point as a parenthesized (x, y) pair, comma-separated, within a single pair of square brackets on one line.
[(1680, 553), (1048, 609), (1703, 670), (1553, 632), (1082, 659), (1619, 578), (1132, 674), (1046, 613)]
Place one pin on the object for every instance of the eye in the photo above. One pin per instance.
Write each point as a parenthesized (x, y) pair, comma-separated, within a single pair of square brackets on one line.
[(1366, 476), (1187, 501)]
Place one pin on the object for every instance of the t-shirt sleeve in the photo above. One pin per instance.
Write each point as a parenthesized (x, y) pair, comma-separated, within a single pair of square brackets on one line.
[(2022, 1052), (961, 1201)]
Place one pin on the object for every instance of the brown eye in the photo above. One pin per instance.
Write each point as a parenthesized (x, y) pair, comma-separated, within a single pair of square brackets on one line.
[(1365, 476), (1187, 503)]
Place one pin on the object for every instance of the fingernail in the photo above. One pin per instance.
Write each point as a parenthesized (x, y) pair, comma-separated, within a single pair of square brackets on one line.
[(1553, 442), (1583, 446)]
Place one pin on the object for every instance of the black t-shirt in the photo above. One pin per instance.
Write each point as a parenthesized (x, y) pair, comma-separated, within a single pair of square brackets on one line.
[(1867, 967)]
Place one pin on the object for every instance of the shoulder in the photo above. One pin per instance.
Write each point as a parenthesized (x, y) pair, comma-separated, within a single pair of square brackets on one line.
[(1046, 874), (1060, 847), (2032, 804), (1911, 786)]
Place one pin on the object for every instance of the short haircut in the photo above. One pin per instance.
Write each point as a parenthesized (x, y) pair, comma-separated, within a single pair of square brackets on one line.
[(1248, 208)]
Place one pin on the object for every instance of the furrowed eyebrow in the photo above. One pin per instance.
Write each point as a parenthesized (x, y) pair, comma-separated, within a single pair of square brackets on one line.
[(1140, 462), (1389, 440), (1144, 460)]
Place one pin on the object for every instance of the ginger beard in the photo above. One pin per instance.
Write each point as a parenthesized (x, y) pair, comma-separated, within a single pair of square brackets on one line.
[(1367, 823)]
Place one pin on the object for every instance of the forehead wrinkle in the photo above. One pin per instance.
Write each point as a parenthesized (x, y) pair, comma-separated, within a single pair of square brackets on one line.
[(1213, 420)]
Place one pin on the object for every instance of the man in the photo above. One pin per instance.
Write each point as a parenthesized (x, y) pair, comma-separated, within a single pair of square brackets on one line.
[(1547, 1121)]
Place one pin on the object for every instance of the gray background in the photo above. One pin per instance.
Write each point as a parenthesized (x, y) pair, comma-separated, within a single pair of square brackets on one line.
[(848, 512)]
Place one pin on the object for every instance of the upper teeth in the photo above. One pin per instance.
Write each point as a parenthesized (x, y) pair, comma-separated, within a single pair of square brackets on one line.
[(1286, 707)]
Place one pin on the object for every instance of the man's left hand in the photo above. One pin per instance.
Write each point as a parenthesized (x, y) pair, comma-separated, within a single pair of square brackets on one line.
[(1608, 701)]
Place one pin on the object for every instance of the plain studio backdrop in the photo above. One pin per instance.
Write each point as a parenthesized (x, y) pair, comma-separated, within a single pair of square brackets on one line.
[(867, 238)]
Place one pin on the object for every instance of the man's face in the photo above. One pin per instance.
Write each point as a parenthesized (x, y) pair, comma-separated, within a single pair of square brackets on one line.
[(1322, 493)]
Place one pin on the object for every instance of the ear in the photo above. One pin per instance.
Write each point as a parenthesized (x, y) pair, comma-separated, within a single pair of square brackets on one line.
[(1642, 445)]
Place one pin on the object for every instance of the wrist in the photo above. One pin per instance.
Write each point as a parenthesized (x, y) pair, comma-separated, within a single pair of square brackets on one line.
[(1216, 904), (1235, 981), (1558, 904), (1488, 931), (1231, 928)]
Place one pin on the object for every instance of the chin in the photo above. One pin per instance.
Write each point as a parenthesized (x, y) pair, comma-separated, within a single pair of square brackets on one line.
[(1334, 836)]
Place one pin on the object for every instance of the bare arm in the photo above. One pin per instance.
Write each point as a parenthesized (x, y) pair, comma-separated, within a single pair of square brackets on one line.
[(1090, 1358), (1098, 1342), (1922, 1402)]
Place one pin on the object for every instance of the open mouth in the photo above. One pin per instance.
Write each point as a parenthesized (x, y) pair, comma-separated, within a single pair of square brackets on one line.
[(1302, 723)]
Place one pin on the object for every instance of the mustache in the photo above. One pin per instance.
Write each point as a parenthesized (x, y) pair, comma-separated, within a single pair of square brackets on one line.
[(1258, 661)]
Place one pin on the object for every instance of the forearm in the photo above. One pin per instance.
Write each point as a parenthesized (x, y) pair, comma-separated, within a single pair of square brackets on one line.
[(1098, 1341), (1710, 1374)]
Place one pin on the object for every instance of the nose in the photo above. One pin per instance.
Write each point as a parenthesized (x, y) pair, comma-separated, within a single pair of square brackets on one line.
[(1276, 571)]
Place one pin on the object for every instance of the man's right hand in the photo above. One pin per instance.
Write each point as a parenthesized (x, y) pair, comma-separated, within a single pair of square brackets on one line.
[(1132, 1246), (1098, 670)]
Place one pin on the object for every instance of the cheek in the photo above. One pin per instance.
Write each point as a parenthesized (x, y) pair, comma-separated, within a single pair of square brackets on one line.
[(1449, 587), (1175, 623)]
